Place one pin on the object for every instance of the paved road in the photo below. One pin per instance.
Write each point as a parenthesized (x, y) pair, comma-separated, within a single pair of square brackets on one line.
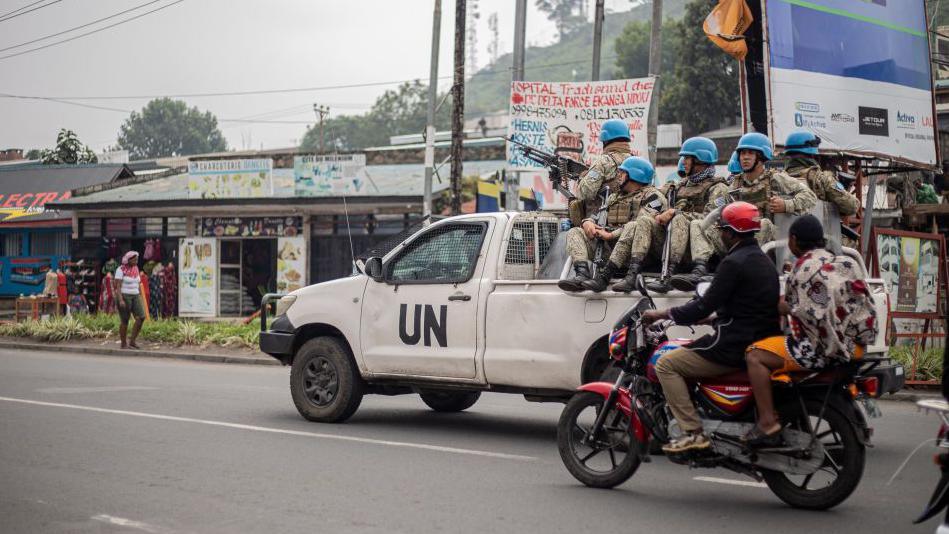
[(106, 444)]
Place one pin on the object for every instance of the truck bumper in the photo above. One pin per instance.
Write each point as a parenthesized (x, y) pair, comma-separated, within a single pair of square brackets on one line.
[(278, 341), (892, 377)]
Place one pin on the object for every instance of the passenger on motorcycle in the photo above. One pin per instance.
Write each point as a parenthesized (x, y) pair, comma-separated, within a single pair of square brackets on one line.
[(744, 296), (831, 319)]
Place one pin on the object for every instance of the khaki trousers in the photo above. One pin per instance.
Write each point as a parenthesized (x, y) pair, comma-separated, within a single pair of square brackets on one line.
[(673, 369)]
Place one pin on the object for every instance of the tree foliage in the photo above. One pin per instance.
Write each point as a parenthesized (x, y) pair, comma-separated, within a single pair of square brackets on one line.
[(34, 154), (396, 112), (566, 14), (167, 127), (699, 84), (69, 150)]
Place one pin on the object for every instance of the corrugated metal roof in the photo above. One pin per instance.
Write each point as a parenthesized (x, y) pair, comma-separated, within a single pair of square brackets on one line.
[(26, 189)]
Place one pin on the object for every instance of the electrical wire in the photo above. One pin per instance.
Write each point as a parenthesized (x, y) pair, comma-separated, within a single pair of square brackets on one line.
[(97, 30), (86, 25), (21, 8), (6, 18)]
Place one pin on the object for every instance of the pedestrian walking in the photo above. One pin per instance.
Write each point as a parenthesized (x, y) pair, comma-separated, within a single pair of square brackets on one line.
[(127, 286)]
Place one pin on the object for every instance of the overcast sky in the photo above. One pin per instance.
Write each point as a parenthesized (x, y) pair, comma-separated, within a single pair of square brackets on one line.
[(202, 46)]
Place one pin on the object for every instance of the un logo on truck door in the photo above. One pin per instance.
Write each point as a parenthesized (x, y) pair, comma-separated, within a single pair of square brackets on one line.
[(432, 326)]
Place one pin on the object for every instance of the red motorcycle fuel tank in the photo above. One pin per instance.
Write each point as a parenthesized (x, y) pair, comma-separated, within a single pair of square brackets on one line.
[(730, 397), (662, 349)]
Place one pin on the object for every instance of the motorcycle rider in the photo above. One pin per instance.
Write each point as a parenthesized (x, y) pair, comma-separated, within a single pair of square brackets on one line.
[(803, 164), (614, 134), (771, 191), (744, 296), (637, 238), (696, 195), (831, 318)]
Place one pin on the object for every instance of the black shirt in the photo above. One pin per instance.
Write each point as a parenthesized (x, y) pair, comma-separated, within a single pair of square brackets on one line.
[(744, 295)]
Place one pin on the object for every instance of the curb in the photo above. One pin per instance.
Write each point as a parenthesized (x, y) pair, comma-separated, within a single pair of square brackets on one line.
[(911, 395), (108, 351)]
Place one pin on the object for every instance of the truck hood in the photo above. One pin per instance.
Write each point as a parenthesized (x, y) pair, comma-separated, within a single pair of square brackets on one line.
[(336, 303)]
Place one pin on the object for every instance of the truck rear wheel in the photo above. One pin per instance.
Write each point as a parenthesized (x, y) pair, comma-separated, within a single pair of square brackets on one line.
[(324, 381), (449, 401)]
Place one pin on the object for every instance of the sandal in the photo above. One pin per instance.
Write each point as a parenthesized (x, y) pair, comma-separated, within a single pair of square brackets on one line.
[(758, 438)]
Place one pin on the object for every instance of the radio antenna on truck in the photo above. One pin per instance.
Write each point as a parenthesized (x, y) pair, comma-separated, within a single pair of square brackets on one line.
[(349, 231)]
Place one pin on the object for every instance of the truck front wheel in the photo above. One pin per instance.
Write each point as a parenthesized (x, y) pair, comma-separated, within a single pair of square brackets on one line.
[(324, 381), (449, 401)]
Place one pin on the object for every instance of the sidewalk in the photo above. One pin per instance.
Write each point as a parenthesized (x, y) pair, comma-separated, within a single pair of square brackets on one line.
[(148, 350)]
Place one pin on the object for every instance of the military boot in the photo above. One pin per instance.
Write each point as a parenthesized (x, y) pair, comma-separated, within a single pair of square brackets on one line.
[(628, 284), (661, 285), (602, 279), (581, 273), (688, 282)]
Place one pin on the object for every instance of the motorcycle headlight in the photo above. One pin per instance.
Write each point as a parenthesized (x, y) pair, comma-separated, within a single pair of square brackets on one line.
[(284, 304)]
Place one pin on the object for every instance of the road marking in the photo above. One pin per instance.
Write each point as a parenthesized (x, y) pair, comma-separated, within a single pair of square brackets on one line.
[(103, 389), (128, 523), (254, 428), (732, 482)]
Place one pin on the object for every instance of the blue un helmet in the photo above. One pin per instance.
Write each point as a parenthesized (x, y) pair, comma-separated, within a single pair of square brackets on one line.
[(758, 142), (613, 130), (802, 142), (680, 170), (702, 149), (638, 170), (734, 166)]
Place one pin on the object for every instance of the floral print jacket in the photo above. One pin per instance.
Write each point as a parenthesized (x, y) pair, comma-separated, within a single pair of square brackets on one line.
[(831, 310)]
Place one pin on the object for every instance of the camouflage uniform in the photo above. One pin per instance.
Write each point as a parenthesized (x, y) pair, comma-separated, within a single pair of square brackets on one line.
[(601, 172), (798, 199), (618, 212), (693, 202), (642, 234), (824, 185)]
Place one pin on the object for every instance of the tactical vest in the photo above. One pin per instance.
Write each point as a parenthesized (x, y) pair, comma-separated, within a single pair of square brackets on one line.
[(758, 194), (695, 196), (620, 209)]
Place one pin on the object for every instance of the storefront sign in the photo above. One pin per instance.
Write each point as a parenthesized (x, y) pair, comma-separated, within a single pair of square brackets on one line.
[(874, 99), (232, 178), (910, 262), (329, 175), (291, 264), (197, 285), (251, 226), (565, 117)]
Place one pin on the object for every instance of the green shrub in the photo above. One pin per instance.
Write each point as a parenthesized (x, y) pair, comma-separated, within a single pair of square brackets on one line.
[(928, 362)]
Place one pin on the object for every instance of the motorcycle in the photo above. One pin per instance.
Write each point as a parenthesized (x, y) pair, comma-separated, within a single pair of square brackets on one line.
[(940, 498), (606, 429)]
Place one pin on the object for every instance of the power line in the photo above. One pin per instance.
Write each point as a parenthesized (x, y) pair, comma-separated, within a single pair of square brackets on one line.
[(6, 18), (22, 8), (78, 27), (81, 35)]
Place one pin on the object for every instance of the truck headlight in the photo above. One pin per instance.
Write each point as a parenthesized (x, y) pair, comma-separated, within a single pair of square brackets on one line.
[(284, 304)]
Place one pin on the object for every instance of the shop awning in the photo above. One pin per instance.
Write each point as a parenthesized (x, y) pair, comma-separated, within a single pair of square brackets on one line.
[(26, 190)]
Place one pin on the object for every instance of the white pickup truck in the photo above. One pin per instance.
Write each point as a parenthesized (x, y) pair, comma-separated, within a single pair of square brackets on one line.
[(464, 305)]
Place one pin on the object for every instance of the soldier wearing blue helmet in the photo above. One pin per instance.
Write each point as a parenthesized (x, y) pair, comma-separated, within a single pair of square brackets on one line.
[(801, 150), (698, 193), (734, 167), (637, 202), (614, 134), (769, 190)]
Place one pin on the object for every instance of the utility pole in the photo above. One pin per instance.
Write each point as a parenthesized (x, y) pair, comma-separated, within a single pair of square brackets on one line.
[(321, 112), (458, 108), (430, 122), (655, 66), (597, 38), (512, 178)]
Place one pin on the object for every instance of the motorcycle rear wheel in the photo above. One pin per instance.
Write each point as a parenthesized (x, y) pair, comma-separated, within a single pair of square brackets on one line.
[(615, 454), (837, 478)]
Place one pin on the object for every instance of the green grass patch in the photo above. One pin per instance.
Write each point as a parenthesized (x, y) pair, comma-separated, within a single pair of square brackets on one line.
[(928, 362)]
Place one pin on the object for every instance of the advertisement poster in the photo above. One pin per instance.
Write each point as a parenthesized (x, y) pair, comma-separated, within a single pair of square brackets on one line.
[(864, 87), (333, 175), (251, 226), (565, 117), (291, 264), (232, 178), (909, 264), (197, 283)]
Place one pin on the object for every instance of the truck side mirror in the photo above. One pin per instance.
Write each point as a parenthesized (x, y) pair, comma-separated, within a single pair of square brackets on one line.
[(374, 268)]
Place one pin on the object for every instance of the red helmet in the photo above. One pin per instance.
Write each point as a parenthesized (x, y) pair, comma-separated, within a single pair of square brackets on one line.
[(741, 217)]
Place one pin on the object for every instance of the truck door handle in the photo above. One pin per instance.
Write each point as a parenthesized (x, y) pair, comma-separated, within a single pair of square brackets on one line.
[(464, 298)]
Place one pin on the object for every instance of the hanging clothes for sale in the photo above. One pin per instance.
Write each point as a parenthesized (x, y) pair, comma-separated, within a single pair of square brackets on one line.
[(78, 304), (169, 307), (51, 288), (107, 302), (110, 267), (155, 290), (143, 291), (61, 292)]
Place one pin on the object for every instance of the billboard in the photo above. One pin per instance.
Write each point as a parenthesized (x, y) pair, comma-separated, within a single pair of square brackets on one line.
[(565, 117), (333, 175), (854, 72), (230, 178)]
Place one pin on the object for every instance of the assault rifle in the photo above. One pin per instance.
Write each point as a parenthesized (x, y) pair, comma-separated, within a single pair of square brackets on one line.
[(559, 167), (667, 246), (599, 261)]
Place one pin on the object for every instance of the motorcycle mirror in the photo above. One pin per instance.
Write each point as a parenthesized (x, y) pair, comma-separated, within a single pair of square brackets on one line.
[(701, 288)]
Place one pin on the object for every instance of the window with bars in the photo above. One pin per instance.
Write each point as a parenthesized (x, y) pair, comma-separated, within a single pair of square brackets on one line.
[(148, 227), (118, 227), (90, 227), (177, 226), (528, 244), (446, 254), (11, 245), (49, 244)]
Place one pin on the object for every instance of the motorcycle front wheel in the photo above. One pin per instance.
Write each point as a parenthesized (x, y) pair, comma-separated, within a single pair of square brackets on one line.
[(611, 457), (841, 471)]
